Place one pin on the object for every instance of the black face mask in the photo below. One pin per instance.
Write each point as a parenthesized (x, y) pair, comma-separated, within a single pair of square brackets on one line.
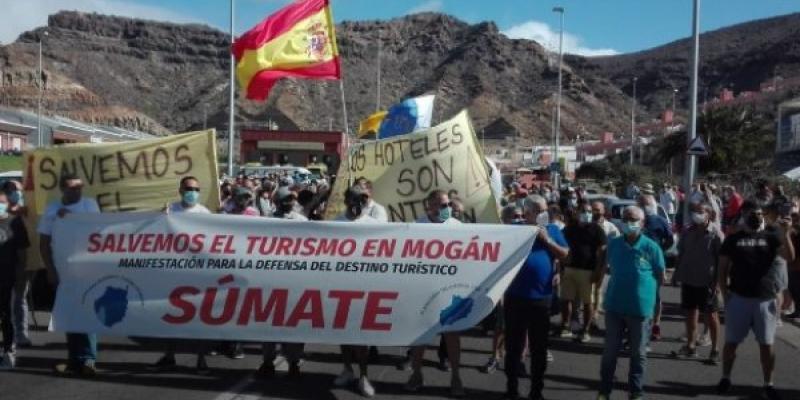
[(356, 209), (753, 222), (226, 192)]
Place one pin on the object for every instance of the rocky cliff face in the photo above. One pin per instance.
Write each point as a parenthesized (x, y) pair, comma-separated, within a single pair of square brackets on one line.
[(159, 76), (162, 77)]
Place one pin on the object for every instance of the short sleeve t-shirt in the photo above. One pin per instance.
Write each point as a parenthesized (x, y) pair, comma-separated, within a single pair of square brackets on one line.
[(584, 241), (632, 285), (534, 280), (13, 237), (48, 219), (751, 255), (177, 207)]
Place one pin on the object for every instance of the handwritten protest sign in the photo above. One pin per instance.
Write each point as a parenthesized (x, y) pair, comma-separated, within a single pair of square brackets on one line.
[(404, 169), (257, 279), (127, 176)]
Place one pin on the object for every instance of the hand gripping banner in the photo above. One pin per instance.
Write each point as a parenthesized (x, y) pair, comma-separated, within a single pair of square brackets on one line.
[(256, 279)]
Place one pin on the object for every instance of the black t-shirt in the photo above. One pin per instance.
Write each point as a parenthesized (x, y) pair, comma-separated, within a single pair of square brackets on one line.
[(751, 255), (13, 238), (584, 240)]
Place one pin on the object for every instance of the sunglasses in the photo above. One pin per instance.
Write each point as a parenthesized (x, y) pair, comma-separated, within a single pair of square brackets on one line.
[(445, 205), (192, 189), (517, 216)]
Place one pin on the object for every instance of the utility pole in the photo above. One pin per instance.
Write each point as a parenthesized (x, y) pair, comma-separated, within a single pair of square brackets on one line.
[(556, 174), (633, 120), (691, 162)]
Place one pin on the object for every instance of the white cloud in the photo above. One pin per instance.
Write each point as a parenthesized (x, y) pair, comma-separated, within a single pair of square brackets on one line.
[(427, 6), (19, 16), (547, 37)]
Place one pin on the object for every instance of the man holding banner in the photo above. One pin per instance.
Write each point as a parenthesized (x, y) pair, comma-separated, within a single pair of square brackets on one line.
[(438, 211), (81, 347)]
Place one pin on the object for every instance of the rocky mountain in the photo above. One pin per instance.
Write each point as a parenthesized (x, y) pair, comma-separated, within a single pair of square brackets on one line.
[(165, 77), (739, 57)]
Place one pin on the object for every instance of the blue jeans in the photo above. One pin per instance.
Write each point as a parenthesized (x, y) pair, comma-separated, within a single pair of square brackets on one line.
[(81, 349), (638, 337)]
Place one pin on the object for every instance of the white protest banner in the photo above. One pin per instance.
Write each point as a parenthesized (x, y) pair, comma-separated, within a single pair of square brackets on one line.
[(256, 279), (405, 169)]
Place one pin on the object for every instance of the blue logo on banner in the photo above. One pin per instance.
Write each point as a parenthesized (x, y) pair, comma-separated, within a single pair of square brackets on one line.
[(111, 306), (459, 308)]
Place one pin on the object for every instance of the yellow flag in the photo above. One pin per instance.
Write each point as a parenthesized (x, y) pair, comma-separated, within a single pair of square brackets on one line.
[(372, 124)]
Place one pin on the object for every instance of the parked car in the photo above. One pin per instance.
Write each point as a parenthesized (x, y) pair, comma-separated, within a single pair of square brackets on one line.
[(10, 175)]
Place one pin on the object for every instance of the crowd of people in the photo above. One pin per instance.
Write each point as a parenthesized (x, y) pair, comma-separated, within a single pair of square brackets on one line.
[(735, 258)]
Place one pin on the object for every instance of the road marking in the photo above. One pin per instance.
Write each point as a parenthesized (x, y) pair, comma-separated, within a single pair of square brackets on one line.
[(235, 391)]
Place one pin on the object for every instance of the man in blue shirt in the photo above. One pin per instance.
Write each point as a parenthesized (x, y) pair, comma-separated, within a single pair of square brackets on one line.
[(657, 228), (637, 267), (527, 301)]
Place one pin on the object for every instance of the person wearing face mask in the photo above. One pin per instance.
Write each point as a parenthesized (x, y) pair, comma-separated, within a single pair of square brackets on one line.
[(438, 210), (354, 212), (583, 269), (264, 203), (552, 216), (748, 281), (285, 207), (527, 302), (242, 200), (81, 347), (696, 270), (636, 266), (657, 228), (189, 191), (226, 197), (13, 242), (372, 208)]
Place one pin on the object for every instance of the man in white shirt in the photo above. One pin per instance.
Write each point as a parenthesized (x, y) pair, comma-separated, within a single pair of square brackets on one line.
[(372, 208), (669, 201), (189, 189), (355, 213), (81, 347), (438, 211)]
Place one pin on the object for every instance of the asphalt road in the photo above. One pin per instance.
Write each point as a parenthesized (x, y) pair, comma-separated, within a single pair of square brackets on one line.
[(124, 374)]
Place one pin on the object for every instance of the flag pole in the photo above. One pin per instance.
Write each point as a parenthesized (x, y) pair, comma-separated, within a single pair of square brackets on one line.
[(344, 108), (378, 97), (232, 99)]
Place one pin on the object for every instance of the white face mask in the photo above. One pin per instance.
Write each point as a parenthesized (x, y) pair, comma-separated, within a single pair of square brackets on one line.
[(542, 219), (699, 218)]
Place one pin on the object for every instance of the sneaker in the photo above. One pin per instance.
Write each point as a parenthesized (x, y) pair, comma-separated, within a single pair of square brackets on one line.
[(491, 366), (778, 323), (585, 338), (713, 358), (88, 370), (294, 371), (415, 382), (684, 352), (655, 333), (64, 368), (237, 352), (345, 378), (164, 363), (201, 368), (703, 341), (266, 370), (457, 388), (793, 315), (724, 386), (566, 333), (443, 365), (550, 357), (770, 393), (8, 361), (365, 387)]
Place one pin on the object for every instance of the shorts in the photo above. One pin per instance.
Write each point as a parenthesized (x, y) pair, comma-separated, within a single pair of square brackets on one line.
[(699, 298), (576, 284), (745, 313)]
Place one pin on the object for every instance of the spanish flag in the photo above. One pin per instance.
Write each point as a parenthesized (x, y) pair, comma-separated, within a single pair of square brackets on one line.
[(297, 41)]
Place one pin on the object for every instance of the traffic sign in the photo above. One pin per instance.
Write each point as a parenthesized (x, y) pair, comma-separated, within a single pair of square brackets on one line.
[(698, 147)]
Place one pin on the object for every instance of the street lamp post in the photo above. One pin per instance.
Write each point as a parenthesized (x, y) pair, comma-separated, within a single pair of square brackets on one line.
[(39, 81), (231, 100), (691, 162), (560, 11), (633, 120)]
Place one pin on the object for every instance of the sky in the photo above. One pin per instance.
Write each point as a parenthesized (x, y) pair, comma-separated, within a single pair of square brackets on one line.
[(592, 27)]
